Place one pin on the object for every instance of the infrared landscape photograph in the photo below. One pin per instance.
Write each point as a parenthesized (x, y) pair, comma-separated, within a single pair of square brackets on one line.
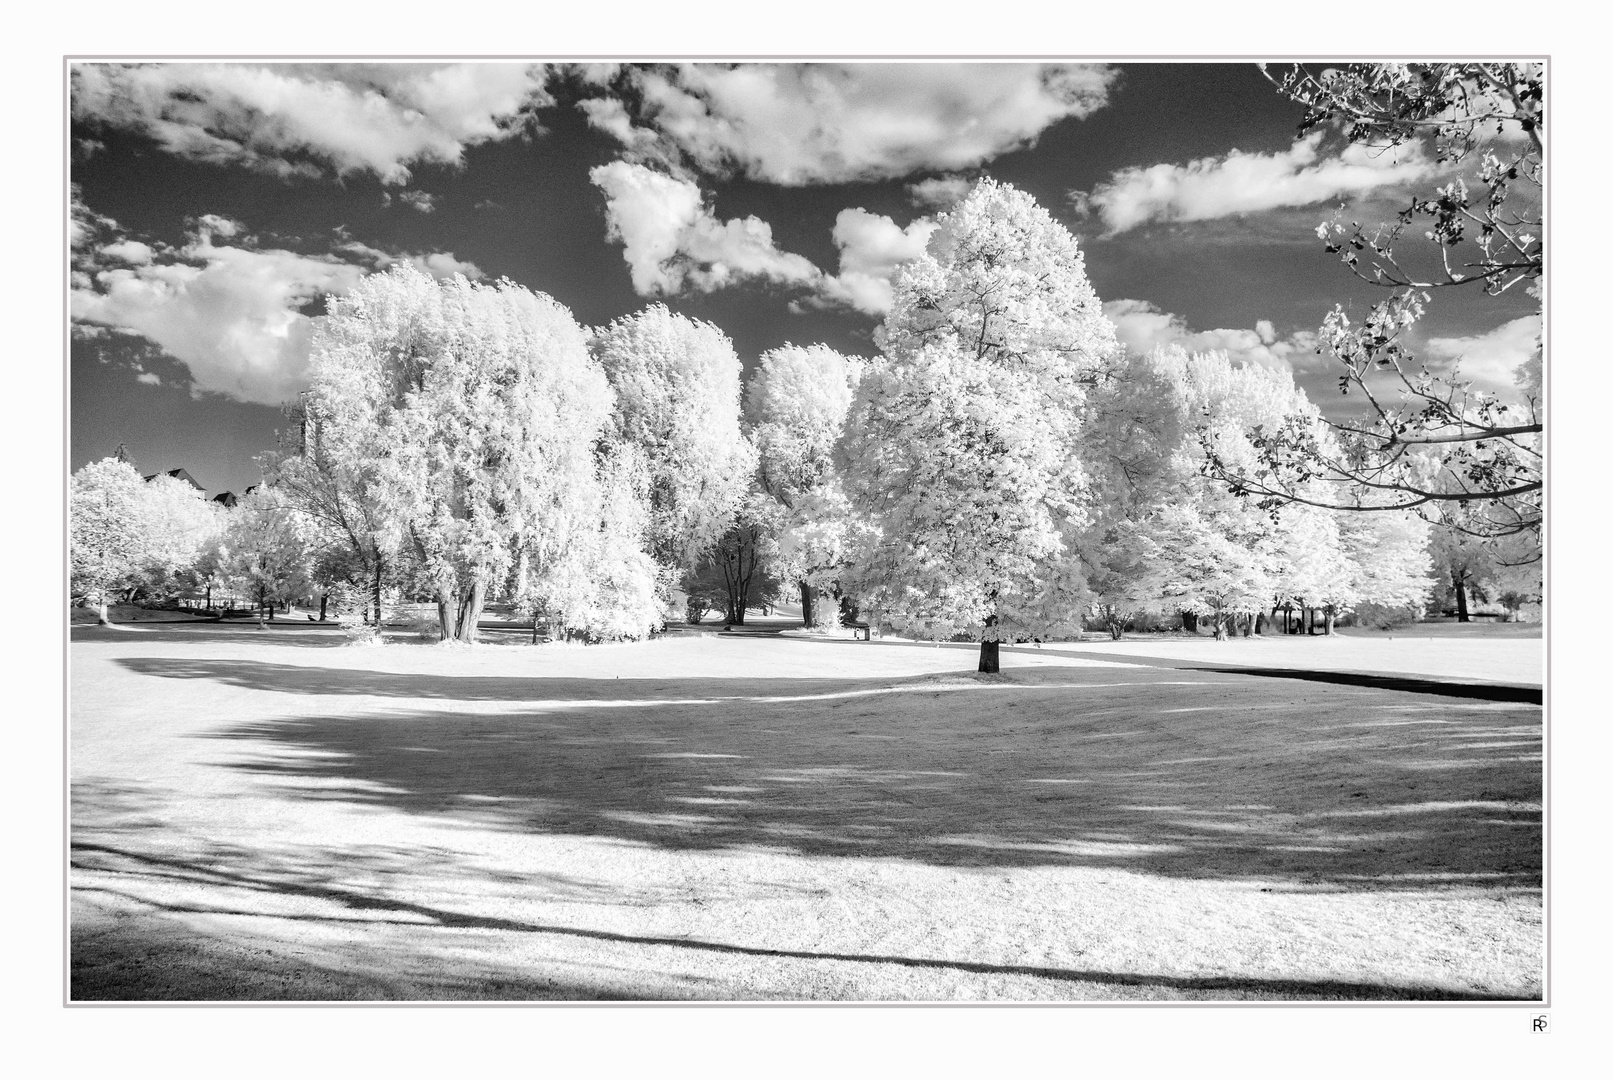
[(805, 531)]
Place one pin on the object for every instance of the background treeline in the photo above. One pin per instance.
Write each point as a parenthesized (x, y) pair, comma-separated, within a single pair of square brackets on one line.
[(1000, 470)]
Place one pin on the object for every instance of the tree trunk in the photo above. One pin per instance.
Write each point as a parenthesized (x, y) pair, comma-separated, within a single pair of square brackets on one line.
[(446, 630), (210, 598), (988, 649), (375, 592), (470, 610), (1329, 613), (1461, 600), (101, 616), (1218, 626), (1260, 624), (323, 599), (809, 614), (1190, 621)]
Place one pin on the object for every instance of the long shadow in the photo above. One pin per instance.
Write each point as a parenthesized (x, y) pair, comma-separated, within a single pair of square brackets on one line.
[(86, 958), (1228, 776), (1472, 690), (1529, 695), (203, 632), (322, 680)]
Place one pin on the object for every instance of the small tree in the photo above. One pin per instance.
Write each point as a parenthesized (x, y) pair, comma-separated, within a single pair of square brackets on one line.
[(740, 569), (108, 531), (267, 550)]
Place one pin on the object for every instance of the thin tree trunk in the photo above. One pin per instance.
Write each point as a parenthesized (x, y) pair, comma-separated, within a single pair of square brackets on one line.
[(1461, 600), (323, 599), (446, 630), (375, 591), (101, 616), (809, 614), (1328, 615)]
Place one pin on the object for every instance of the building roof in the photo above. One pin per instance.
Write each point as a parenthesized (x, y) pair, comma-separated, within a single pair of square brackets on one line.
[(178, 474)]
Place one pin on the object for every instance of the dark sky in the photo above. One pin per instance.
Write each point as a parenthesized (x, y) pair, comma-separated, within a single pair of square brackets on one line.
[(157, 150)]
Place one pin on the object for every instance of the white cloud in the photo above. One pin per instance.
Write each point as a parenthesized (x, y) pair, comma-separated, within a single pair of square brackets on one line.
[(1240, 183), (440, 265), (150, 378), (1491, 360), (423, 201), (940, 192), (230, 312), (670, 239), (129, 251), (1143, 327), (799, 124), (872, 246), (352, 117)]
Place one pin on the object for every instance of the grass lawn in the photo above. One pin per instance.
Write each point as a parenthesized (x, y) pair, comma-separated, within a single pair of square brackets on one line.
[(273, 814)]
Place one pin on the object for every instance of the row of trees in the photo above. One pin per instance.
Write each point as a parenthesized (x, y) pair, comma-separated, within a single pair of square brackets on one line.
[(156, 540), (1001, 469)]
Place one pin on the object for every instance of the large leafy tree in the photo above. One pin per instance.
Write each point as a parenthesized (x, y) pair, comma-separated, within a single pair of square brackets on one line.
[(1427, 439), (677, 399), (964, 442), (796, 403), (466, 420)]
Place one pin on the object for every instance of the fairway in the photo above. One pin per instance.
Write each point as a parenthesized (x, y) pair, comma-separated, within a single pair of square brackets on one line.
[(274, 814)]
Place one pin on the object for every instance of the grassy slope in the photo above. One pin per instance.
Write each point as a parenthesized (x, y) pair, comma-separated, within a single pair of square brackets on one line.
[(264, 814)]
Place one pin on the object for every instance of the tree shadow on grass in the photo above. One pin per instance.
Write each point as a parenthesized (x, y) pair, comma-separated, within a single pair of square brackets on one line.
[(146, 954), (1216, 776), (203, 632)]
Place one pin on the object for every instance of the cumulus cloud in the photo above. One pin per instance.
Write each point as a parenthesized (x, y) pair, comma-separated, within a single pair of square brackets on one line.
[(1241, 183), (231, 312), (1490, 360), (871, 246), (1143, 327), (798, 124), (940, 192), (439, 264), (671, 239), (302, 119)]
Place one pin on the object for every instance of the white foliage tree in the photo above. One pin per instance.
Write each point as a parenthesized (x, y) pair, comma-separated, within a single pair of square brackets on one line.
[(604, 584), (796, 403), (677, 399), (1211, 557), (469, 416), (964, 443), (267, 550), (1391, 558), (107, 534), (130, 536)]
